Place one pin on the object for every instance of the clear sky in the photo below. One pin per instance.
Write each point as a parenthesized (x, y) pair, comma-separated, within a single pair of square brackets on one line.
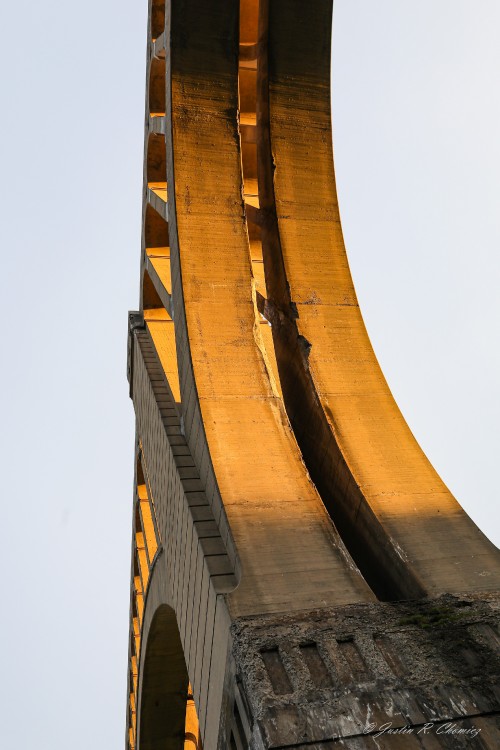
[(416, 120)]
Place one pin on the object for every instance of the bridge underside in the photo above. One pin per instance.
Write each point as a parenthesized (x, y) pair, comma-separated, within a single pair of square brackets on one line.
[(300, 573)]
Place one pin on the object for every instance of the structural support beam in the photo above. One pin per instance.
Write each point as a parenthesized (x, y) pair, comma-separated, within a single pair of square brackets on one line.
[(278, 493), (405, 530)]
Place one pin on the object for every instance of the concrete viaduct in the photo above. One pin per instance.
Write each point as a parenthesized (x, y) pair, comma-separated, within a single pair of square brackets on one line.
[(301, 576)]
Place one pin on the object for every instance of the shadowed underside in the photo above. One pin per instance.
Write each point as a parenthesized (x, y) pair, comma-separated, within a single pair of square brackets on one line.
[(165, 686)]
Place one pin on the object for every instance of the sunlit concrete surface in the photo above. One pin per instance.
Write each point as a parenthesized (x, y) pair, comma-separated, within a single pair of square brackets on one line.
[(280, 496)]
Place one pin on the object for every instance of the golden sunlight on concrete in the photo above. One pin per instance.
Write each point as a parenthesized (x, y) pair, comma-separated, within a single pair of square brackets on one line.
[(360, 451), (161, 327), (145, 548), (267, 494), (192, 739)]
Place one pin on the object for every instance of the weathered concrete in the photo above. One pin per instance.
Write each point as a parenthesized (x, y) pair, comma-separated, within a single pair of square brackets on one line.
[(254, 619), (227, 392), (356, 672), (403, 527)]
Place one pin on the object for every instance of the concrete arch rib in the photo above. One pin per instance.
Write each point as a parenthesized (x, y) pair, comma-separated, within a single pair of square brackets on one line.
[(407, 533), (291, 556)]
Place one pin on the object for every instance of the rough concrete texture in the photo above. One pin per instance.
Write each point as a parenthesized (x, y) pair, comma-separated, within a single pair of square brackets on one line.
[(278, 491), (194, 566), (404, 529), (346, 676)]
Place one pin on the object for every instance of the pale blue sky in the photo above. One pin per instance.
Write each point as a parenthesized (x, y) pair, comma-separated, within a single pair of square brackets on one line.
[(416, 121)]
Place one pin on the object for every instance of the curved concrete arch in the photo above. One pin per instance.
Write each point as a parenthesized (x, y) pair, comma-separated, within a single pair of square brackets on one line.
[(163, 684), (234, 420), (407, 533), (241, 586)]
